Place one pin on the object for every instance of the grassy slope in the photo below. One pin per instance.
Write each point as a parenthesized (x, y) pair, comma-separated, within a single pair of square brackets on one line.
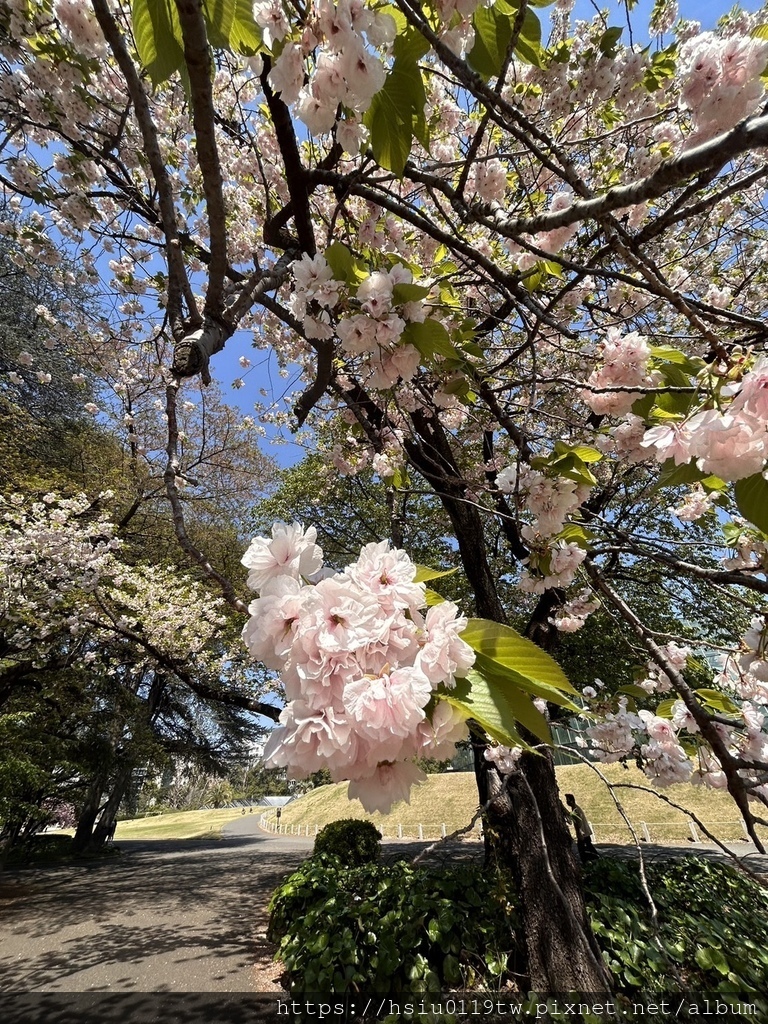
[(452, 799)]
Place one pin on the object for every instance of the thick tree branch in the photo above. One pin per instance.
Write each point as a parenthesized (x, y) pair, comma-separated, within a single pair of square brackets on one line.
[(199, 62), (750, 134), (178, 283), (295, 172)]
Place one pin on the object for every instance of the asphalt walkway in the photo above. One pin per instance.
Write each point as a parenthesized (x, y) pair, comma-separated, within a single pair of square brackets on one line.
[(163, 918)]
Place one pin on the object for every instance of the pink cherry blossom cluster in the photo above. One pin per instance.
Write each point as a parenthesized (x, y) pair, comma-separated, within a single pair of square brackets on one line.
[(720, 80), (732, 444), (624, 365), (656, 680), (373, 330), (653, 740), (549, 565), (504, 758), (574, 613), (347, 71), (749, 550), (360, 662), (549, 498), (695, 504)]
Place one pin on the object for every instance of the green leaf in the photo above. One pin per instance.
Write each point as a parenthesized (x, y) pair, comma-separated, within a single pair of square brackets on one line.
[(409, 293), (713, 483), (219, 17), (396, 114), (760, 32), (609, 39), (430, 338), (574, 533), (581, 451), (668, 354), (409, 44), (424, 573), (642, 407), (341, 261), (673, 476), (528, 47), (553, 268), (493, 33), (717, 700), (488, 705), (158, 38), (504, 645), (674, 375), (634, 691), (664, 710), (752, 500), (432, 598), (245, 34)]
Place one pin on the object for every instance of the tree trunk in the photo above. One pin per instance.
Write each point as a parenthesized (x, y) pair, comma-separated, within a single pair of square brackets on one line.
[(87, 817), (108, 815), (525, 828)]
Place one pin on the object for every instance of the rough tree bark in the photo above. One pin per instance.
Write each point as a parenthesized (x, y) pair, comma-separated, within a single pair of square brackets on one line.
[(526, 832)]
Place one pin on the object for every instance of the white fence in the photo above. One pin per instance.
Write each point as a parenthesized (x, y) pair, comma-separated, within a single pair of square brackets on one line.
[(270, 824), (646, 831)]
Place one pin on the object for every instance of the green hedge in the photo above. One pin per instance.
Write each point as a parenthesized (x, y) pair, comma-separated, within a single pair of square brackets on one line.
[(711, 934), (391, 928), (395, 928)]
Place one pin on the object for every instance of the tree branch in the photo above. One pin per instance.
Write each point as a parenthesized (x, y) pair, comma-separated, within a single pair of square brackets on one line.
[(199, 62), (178, 283)]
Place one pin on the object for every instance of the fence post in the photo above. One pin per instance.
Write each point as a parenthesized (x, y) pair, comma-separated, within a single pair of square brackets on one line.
[(421, 831), (694, 833), (646, 833), (442, 830), (317, 829), (399, 831)]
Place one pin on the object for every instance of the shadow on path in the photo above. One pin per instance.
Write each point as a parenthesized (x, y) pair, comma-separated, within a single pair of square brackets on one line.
[(163, 917)]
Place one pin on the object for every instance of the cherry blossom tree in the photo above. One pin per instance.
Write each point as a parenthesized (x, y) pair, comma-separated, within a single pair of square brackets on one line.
[(117, 664), (517, 260)]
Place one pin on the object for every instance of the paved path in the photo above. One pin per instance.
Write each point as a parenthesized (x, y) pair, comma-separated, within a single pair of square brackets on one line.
[(165, 917)]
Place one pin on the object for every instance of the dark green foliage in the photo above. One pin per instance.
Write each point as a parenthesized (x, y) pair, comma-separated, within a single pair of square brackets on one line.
[(353, 841), (711, 935), (395, 928), (391, 928)]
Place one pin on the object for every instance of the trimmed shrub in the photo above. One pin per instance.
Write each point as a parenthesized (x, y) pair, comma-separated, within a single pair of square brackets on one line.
[(711, 934), (353, 841)]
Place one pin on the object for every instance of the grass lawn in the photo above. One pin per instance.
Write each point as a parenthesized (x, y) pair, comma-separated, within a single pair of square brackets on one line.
[(451, 799), (179, 825)]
